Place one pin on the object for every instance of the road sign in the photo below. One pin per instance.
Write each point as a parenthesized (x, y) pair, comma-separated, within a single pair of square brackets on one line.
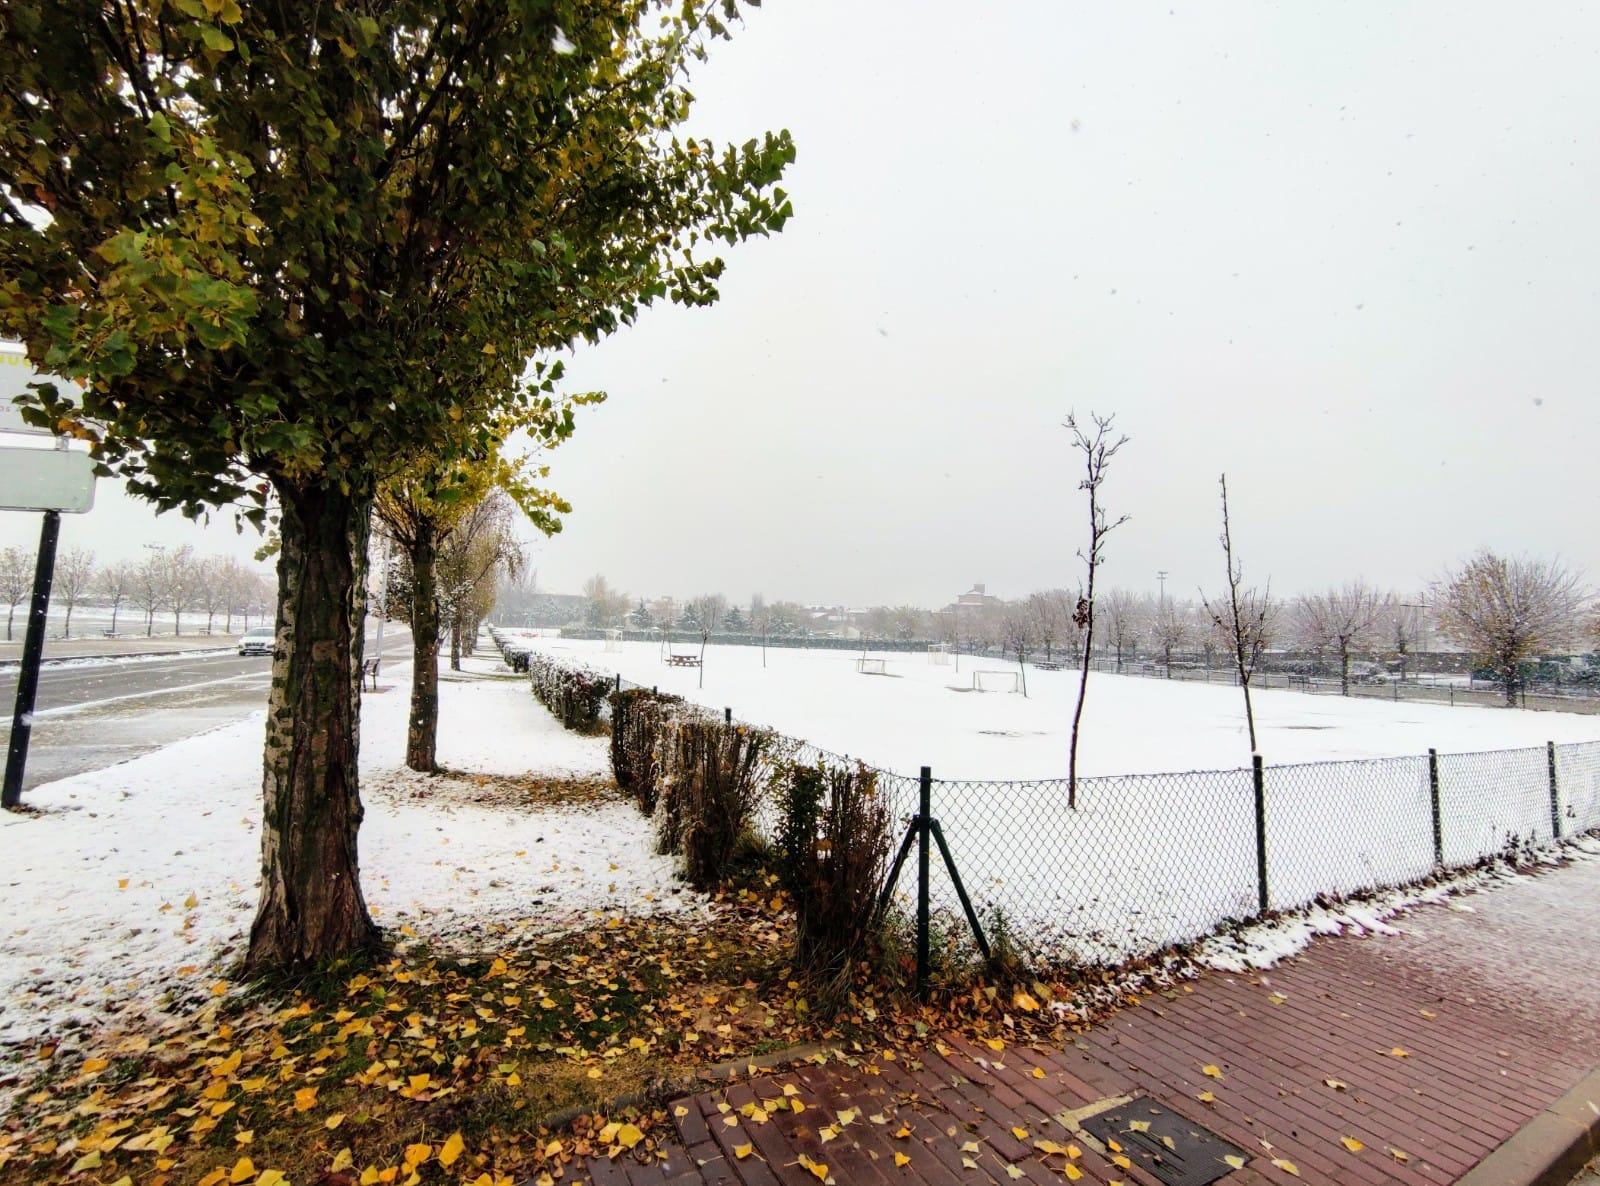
[(15, 375), (45, 480)]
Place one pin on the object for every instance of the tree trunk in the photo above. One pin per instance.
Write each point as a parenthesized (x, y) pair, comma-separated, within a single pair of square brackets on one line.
[(1344, 671), (455, 643), (66, 627), (149, 622), (422, 732), (177, 623), (312, 908), (115, 605), (10, 615)]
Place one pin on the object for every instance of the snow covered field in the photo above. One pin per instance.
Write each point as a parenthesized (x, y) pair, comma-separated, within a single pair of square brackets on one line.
[(923, 714), (133, 887), (1150, 858)]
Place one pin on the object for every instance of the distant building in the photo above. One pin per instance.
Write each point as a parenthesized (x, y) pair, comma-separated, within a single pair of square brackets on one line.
[(974, 598)]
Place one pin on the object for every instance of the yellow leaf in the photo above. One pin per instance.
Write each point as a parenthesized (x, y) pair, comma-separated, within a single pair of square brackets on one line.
[(968, 1164), (1020, 1133), (88, 1161), (305, 1099), (629, 1135), (91, 1065), (970, 1147), (1206, 1097), (1212, 1070), (271, 1178), (1121, 1162), (342, 1160), (1138, 1126), (1336, 1084), (453, 1148), (1234, 1160), (1013, 1172), (1038, 1072), (905, 1131), (680, 1111), (419, 1082), (901, 1160), (595, 1072), (818, 1169), (334, 1121), (1399, 1154), (243, 1170), (1024, 1002), (994, 1044), (1073, 1172), (191, 902), (742, 1151), (1399, 1053), (417, 1154), (213, 1178), (1287, 1167), (1351, 1144)]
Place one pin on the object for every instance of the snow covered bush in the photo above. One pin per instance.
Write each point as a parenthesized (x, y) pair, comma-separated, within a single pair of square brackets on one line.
[(575, 694), (833, 852), (639, 721)]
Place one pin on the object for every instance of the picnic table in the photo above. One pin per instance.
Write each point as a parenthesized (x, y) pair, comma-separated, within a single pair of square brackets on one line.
[(683, 660)]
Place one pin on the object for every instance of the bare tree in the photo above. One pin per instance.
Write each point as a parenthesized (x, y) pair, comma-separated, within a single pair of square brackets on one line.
[(115, 582), (1098, 450), (1341, 620), (149, 588), (1051, 612), (1017, 630), (211, 587), (1507, 611), (707, 612), (1172, 628), (1124, 620), (73, 573), (182, 583), (1243, 621), (606, 605), (482, 546), (16, 579)]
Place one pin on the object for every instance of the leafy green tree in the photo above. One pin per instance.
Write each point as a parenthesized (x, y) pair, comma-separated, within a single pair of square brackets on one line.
[(282, 249)]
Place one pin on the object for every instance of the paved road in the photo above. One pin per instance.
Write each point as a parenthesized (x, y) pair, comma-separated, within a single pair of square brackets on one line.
[(90, 715)]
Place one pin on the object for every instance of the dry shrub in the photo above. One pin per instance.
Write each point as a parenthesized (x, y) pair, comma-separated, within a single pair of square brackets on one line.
[(833, 853), (640, 727)]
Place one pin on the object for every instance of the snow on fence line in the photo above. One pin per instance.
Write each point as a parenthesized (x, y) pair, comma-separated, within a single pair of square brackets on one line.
[(1146, 861)]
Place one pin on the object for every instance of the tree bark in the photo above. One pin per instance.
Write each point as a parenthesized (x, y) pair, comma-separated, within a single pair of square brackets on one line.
[(422, 731), (312, 908), (455, 642)]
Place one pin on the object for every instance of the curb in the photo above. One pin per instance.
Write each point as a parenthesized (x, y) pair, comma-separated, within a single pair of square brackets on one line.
[(1550, 1148), (5, 663)]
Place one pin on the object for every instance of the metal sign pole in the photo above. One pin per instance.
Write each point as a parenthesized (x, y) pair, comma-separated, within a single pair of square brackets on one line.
[(32, 653)]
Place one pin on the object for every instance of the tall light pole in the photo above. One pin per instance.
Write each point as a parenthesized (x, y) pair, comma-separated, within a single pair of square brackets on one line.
[(1161, 596)]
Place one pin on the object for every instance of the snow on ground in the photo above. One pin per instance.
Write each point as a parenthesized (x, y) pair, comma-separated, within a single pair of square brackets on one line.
[(133, 887), (923, 714)]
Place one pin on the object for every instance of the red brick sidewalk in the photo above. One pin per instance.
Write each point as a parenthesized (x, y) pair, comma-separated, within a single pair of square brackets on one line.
[(1402, 1059)]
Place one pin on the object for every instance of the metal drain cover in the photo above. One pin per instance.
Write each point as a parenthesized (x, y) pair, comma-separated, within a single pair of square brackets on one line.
[(1172, 1147)]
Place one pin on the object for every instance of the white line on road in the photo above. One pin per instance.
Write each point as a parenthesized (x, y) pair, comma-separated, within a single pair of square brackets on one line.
[(68, 709)]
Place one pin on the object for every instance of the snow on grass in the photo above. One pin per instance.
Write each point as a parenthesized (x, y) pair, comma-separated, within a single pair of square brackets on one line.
[(923, 714), (129, 890)]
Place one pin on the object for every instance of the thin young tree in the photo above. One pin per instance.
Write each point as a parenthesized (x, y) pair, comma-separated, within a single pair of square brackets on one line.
[(1172, 628), (1243, 621), (74, 573), (1508, 610), (16, 579), (1342, 620), (1017, 630), (181, 587), (1098, 447), (115, 582), (1123, 616), (150, 588), (1050, 610), (705, 613)]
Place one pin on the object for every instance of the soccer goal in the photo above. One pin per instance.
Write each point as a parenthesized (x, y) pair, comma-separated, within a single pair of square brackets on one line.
[(995, 681), (613, 641), (866, 666), (939, 654)]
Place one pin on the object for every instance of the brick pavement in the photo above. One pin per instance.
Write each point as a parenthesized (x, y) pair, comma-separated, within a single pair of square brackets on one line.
[(1440, 1043)]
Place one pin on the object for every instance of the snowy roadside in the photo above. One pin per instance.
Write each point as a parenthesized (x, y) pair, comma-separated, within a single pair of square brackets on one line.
[(129, 890)]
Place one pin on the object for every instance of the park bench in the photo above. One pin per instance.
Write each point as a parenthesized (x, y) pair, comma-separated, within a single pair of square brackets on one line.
[(683, 660), (1047, 665), (369, 670)]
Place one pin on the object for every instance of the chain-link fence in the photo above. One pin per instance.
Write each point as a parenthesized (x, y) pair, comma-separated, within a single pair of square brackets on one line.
[(1127, 865)]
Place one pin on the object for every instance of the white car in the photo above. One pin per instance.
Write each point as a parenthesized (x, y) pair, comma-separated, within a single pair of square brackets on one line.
[(258, 641)]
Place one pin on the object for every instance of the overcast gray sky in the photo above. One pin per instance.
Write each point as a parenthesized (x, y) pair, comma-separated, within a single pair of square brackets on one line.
[(1348, 255)]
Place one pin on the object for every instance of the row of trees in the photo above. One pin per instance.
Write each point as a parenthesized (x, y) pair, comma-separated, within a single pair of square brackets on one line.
[(283, 254), (176, 581)]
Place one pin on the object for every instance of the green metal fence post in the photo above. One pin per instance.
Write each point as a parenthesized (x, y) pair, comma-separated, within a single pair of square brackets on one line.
[(1433, 802), (924, 814), (1261, 829), (1555, 800)]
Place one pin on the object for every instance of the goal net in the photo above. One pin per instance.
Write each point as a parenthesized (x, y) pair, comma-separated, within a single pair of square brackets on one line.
[(872, 666), (613, 641), (995, 681), (939, 654)]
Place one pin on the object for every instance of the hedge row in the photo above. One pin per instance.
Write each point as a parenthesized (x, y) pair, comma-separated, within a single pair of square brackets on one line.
[(577, 695), (703, 781)]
